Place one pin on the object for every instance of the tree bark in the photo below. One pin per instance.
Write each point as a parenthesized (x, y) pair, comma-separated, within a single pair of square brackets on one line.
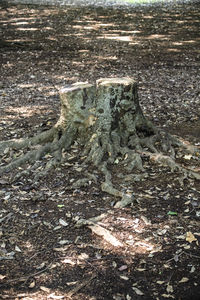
[(107, 122), (106, 118)]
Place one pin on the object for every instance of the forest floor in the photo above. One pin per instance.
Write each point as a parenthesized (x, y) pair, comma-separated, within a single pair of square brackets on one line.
[(43, 255)]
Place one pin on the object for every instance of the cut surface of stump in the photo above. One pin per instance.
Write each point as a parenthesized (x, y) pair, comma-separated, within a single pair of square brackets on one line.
[(105, 119)]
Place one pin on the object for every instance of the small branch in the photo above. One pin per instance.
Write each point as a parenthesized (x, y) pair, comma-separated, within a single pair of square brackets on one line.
[(176, 256), (25, 278), (191, 255), (80, 286)]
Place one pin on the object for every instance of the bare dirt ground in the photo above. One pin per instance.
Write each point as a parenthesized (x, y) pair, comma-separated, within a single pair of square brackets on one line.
[(43, 255)]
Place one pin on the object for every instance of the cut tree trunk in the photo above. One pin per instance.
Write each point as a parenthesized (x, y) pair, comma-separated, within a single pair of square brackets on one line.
[(106, 119), (107, 122)]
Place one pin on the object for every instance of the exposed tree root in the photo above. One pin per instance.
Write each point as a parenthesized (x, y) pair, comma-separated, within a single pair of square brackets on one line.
[(107, 122)]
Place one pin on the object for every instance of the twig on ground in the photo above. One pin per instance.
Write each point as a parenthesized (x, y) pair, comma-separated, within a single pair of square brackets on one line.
[(25, 278), (80, 286)]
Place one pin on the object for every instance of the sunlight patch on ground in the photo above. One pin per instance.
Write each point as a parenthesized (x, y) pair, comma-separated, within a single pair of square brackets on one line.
[(96, 26), (20, 19), (117, 38), (158, 36), (26, 85), (173, 50), (106, 57), (177, 43), (190, 41), (52, 39), (106, 24), (19, 41), (20, 23), (147, 1), (27, 29), (24, 111), (83, 51)]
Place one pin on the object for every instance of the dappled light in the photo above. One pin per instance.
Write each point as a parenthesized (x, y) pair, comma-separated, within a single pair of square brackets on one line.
[(64, 240), (27, 29), (117, 38), (89, 25), (24, 111)]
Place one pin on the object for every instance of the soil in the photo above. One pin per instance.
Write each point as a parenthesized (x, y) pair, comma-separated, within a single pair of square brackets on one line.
[(43, 254)]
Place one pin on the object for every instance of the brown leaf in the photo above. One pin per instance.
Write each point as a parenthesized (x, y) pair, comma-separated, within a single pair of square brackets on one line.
[(190, 237), (45, 289), (137, 291), (122, 268), (2, 277), (183, 280), (169, 288), (32, 285)]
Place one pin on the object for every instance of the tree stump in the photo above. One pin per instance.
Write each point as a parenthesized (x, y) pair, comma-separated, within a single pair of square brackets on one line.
[(106, 118), (107, 122)]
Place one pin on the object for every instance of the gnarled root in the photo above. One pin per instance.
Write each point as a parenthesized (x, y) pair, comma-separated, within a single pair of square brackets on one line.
[(107, 122), (51, 142)]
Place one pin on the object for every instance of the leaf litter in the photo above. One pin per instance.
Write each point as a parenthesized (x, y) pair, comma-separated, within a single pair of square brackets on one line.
[(148, 250)]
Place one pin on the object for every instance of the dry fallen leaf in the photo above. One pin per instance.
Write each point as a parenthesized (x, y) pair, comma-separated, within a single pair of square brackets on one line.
[(62, 222), (17, 249), (83, 256), (45, 289), (169, 288), (183, 280), (124, 277), (71, 283), (186, 247), (114, 264), (2, 181), (64, 242), (68, 261), (140, 269), (160, 282), (137, 291), (187, 202), (192, 269), (32, 285), (100, 231), (53, 296), (190, 237), (145, 220), (41, 266), (167, 296), (122, 268), (188, 157), (161, 231)]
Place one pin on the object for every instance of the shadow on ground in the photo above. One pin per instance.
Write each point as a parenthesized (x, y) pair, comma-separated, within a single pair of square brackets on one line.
[(42, 254)]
